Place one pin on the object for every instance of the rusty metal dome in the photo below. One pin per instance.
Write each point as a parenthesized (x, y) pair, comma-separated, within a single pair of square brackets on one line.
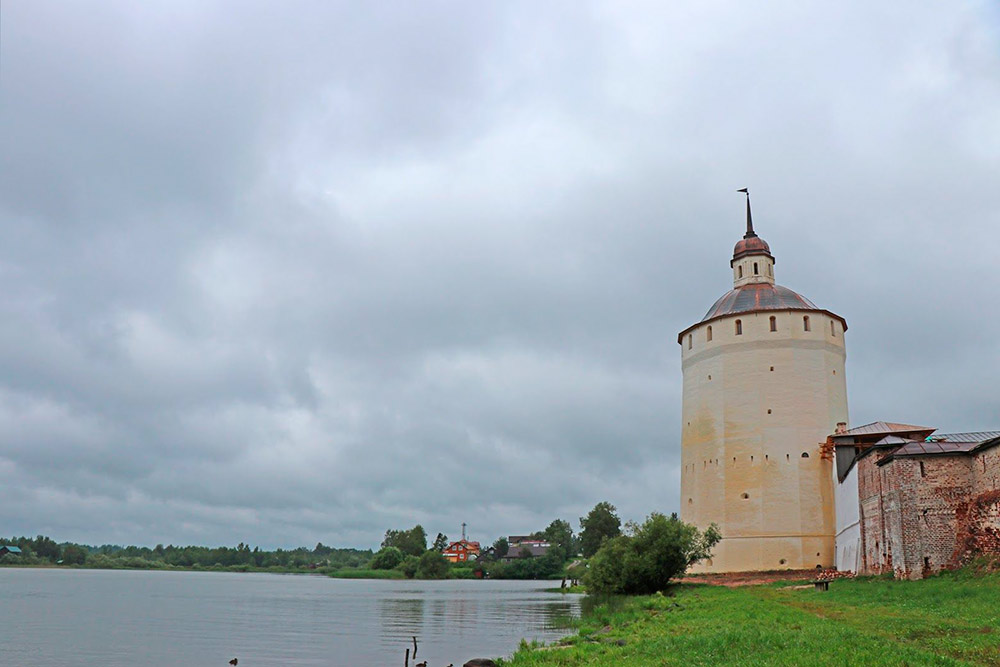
[(751, 245), (758, 296)]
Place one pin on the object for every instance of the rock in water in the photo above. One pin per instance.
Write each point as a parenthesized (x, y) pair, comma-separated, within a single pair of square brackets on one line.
[(480, 662)]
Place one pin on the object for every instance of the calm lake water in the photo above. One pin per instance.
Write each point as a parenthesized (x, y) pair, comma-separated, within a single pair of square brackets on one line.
[(56, 618)]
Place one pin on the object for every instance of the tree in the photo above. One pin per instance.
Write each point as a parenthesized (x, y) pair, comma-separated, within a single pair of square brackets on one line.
[(600, 524), (500, 548), (412, 542), (43, 547), (432, 565), (409, 566), (387, 558), (74, 554), (440, 542), (560, 534), (645, 560)]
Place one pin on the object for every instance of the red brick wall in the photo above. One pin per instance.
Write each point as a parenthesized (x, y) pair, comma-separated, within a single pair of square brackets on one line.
[(874, 547), (923, 514), (978, 515)]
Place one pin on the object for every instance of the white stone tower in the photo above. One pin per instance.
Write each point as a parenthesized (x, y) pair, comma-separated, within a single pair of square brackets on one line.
[(763, 387)]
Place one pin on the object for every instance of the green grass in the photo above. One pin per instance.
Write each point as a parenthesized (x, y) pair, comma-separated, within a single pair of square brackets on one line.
[(578, 589), (354, 573), (953, 619)]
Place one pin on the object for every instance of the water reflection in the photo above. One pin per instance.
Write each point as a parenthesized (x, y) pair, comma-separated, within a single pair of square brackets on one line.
[(62, 618)]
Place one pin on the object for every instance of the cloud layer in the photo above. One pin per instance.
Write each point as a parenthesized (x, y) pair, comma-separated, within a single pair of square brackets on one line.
[(303, 272)]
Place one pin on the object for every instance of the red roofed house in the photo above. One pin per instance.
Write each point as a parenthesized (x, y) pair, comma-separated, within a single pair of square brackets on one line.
[(461, 551)]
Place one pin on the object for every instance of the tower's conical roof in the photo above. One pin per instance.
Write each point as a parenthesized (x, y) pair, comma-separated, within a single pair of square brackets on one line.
[(758, 296)]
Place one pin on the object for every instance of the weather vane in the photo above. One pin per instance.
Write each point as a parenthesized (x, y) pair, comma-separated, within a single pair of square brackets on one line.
[(750, 233)]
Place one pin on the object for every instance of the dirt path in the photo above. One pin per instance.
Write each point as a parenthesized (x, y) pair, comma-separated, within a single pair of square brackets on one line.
[(735, 579)]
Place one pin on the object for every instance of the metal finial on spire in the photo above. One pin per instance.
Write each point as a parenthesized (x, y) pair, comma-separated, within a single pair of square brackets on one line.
[(750, 233)]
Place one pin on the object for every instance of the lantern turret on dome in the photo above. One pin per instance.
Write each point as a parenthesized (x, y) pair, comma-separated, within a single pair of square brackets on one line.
[(752, 261)]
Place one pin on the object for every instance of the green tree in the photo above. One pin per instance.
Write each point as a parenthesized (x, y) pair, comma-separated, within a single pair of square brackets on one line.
[(409, 566), (645, 560), (560, 534), (412, 542), (601, 523), (432, 565), (74, 554), (45, 548), (501, 547), (387, 558), (440, 542)]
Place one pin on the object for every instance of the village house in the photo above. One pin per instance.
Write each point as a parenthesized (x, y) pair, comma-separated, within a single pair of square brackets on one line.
[(461, 551), (525, 546)]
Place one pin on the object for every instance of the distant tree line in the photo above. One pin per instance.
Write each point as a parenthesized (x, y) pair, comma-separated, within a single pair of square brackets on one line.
[(642, 559), (406, 551), (43, 550)]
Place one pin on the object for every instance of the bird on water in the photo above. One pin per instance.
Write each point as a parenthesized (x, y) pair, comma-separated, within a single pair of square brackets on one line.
[(234, 662)]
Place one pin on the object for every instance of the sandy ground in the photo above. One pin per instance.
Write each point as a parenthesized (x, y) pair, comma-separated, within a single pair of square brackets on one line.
[(751, 578)]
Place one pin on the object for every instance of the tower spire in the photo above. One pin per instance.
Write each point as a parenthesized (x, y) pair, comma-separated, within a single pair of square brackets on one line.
[(750, 233)]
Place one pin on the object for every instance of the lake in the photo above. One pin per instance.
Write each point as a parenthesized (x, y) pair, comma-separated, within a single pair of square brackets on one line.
[(121, 618)]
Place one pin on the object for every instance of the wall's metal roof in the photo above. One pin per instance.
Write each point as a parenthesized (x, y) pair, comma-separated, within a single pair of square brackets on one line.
[(13, 550), (758, 296), (892, 440), (925, 448), (973, 436), (876, 428), (956, 443)]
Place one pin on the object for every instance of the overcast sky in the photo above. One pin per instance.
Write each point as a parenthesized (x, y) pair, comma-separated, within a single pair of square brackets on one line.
[(294, 272)]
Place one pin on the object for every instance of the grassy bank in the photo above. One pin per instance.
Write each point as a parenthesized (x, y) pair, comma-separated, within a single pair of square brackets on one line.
[(953, 619), (350, 573)]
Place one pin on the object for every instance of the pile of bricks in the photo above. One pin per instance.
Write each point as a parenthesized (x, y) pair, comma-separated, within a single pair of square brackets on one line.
[(828, 575)]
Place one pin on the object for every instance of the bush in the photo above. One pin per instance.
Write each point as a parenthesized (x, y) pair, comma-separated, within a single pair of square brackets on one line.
[(649, 557), (432, 565), (386, 559), (409, 566)]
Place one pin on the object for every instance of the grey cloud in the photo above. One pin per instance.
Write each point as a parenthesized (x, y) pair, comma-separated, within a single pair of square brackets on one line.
[(290, 273)]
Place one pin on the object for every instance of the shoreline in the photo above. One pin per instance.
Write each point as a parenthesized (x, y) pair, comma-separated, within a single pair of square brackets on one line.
[(944, 619)]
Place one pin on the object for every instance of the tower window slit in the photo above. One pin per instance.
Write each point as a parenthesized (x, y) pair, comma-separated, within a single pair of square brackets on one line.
[(805, 323), (774, 323), (755, 271), (739, 270), (833, 332), (739, 327), (708, 334), (690, 341)]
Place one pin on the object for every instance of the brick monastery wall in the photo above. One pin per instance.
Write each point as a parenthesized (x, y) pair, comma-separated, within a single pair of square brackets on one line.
[(923, 514)]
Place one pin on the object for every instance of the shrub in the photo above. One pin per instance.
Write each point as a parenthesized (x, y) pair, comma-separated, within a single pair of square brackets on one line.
[(409, 566), (432, 565), (387, 558), (645, 560)]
